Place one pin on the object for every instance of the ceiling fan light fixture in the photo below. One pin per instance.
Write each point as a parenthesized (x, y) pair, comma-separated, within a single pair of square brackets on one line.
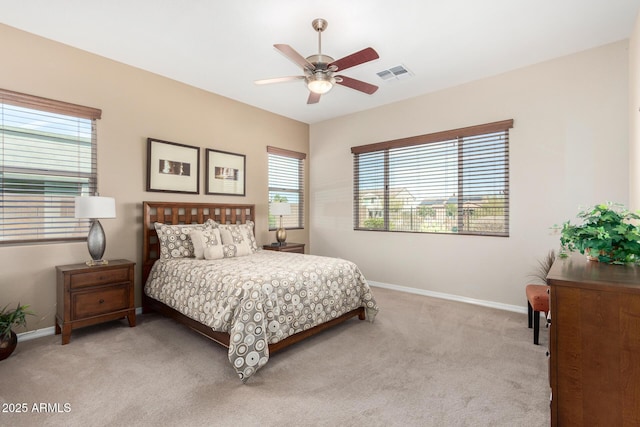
[(319, 86), (320, 83)]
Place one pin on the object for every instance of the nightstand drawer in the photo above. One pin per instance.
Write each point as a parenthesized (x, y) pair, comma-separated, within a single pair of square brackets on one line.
[(296, 249), (287, 247), (100, 277), (94, 303)]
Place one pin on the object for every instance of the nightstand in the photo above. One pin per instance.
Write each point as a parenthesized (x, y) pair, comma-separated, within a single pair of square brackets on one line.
[(89, 295), (287, 247)]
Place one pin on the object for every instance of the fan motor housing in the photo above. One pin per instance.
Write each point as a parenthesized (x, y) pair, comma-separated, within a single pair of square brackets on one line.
[(320, 61)]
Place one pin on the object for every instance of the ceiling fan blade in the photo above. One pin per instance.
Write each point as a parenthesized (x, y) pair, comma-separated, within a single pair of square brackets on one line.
[(357, 84), (294, 56), (278, 80), (314, 98), (360, 57)]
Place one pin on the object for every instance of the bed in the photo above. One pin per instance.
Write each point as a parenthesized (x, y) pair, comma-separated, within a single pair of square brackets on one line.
[(253, 303)]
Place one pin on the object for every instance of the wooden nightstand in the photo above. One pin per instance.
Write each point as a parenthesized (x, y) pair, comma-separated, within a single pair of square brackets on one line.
[(287, 247), (89, 295)]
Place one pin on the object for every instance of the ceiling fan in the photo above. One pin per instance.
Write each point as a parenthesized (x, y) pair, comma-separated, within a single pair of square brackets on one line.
[(319, 70)]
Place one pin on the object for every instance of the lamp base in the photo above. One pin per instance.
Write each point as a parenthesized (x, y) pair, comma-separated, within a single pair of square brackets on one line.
[(96, 243), (93, 262), (281, 235)]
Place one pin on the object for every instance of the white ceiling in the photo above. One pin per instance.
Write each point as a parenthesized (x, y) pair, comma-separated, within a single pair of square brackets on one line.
[(222, 46)]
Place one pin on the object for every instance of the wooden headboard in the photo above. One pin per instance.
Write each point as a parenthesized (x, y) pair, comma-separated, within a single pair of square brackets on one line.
[(184, 213)]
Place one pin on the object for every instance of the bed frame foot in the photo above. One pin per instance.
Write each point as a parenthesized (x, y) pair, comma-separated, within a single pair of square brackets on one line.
[(146, 306)]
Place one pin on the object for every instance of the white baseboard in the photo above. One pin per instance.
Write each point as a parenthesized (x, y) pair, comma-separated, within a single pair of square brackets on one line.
[(51, 330), (30, 335), (491, 304)]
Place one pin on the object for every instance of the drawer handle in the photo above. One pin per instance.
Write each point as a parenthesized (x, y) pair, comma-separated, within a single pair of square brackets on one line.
[(101, 301)]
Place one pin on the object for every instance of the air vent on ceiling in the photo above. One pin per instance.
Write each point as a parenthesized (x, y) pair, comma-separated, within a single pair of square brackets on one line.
[(399, 72)]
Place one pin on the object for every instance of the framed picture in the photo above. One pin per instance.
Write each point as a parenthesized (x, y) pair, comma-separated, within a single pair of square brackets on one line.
[(172, 167), (225, 173)]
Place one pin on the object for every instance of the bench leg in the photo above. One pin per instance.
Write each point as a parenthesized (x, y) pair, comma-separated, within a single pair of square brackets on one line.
[(536, 326), (529, 313)]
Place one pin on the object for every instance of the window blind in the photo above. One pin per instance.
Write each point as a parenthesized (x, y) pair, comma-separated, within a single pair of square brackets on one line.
[(455, 182), (286, 184), (47, 157)]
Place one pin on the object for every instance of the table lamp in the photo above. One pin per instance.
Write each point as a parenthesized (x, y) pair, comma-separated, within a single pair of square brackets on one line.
[(280, 208), (94, 207)]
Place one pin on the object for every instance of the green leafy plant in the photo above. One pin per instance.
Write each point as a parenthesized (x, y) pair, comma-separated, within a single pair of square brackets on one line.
[(11, 318), (607, 233)]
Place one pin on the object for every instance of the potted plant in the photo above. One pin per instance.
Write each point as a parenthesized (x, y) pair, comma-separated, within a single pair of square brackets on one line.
[(9, 319), (607, 234)]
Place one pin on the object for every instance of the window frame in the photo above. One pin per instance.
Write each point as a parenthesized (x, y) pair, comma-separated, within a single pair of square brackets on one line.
[(457, 135), (300, 157), (61, 212)]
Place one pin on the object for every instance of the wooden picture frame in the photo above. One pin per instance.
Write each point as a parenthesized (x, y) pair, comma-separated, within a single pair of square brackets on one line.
[(225, 173), (172, 167)]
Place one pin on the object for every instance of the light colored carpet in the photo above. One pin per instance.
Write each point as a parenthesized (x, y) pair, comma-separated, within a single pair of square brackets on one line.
[(423, 362)]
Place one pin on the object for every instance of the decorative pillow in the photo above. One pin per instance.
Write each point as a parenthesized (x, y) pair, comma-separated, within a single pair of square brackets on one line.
[(235, 234), (207, 244), (175, 241), (237, 249)]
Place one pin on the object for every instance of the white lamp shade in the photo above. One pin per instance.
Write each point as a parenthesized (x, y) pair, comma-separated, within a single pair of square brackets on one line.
[(280, 208), (95, 207)]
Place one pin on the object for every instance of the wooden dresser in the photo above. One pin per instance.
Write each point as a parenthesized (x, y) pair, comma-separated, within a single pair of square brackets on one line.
[(89, 295), (594, 365)]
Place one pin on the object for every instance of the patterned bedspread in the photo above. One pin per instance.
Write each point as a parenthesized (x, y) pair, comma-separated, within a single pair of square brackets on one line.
[(261, 298)]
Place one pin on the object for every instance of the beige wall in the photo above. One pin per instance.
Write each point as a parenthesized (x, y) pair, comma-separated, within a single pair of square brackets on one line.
[(568, 148), (135, 105), (634, 117)]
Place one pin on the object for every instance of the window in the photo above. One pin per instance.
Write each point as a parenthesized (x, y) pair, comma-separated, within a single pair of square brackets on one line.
[(286, 184), (448, 182), (47, 157)]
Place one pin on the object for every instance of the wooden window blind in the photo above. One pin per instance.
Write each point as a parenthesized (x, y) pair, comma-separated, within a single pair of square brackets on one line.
[(286, 184), (455, 182), (47, 157)]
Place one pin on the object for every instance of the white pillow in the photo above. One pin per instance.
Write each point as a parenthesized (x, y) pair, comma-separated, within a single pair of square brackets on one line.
[(207, 244)]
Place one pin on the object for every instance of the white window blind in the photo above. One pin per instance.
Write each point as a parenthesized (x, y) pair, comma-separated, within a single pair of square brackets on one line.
[(286, 184), (455, 182), (47, 157)]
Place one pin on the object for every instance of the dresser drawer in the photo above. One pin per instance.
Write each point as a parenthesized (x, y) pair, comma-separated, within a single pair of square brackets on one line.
[(99, 277), (100, 301)]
